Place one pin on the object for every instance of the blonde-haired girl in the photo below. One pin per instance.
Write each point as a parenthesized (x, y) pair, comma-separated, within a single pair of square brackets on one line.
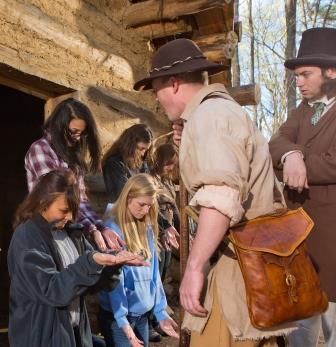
[(124, 311)]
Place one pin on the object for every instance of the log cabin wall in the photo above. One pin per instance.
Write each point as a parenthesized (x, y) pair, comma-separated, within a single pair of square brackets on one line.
[(95, 50), (81, 45)]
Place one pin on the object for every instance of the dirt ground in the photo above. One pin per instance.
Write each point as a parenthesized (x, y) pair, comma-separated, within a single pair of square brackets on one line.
[(166, 341)]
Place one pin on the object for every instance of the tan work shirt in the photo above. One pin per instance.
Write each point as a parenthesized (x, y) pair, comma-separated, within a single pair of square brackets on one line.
[(224, 160), (225, 164)]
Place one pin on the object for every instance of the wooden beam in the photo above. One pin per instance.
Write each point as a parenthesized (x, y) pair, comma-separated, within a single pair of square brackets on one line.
[(151, 10), (163, 29), (246, 95), (30, 84), (22, 87), (124, 106), (218, 47), (215, 20), (223, 77)]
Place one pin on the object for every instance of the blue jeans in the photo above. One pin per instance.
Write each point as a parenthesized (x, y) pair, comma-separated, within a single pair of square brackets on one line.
[(309, 330), (115, 337)]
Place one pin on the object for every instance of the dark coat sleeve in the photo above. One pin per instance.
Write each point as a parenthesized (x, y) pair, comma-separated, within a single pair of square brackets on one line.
[(115, 177), (285, 139), (321, 167), (33, 270)]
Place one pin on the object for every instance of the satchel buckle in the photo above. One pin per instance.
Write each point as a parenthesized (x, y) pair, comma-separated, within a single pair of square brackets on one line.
[(291, 283)]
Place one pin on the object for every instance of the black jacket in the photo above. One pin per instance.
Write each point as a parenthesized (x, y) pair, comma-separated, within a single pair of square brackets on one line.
[(116, 173), (41, 289)]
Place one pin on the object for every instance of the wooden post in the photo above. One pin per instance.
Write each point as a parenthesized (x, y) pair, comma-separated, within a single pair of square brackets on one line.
[(246, 95), (184, 251), (151, 11)]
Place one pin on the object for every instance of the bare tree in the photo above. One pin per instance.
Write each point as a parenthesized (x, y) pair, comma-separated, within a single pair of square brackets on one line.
[(252, 67), (290, 52), (317, 13), (235, 66)]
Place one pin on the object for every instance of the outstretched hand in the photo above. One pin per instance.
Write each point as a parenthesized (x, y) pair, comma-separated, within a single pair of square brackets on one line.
[(169, 326), (121, 258), (112, 239), (172, 233), (131, 337)]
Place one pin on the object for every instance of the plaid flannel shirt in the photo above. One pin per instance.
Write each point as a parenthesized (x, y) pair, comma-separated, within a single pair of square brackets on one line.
[(39, 160)]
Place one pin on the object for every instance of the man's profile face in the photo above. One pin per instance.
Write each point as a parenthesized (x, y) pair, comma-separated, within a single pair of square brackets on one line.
[(309, 80), (166, 96)]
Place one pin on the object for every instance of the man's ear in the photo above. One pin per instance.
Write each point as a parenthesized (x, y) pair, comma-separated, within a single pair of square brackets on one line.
[(175, 84), (331, 72)]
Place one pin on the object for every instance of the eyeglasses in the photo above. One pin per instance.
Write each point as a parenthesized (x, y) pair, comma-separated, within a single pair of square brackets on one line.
[(77, 133)]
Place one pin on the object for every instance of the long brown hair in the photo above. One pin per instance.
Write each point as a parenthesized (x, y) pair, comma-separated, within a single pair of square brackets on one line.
[(85, 154), (125, 146), (163, 155), (49, 187), (135, 230)]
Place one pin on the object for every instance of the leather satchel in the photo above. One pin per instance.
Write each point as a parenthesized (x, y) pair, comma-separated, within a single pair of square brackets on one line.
[(281, 282)]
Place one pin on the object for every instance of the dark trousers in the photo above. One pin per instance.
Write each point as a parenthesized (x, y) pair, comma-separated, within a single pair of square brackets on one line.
[(164, 262), (77, 337)]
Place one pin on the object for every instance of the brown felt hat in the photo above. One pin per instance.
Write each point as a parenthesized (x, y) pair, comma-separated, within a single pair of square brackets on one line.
[(176, 57), (317, 48)]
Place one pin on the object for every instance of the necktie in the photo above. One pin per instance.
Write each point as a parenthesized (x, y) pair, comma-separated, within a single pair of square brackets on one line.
[(319, 108)]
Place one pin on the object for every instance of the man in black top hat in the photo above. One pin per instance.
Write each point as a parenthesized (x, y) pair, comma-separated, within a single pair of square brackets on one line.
[(304, 153)]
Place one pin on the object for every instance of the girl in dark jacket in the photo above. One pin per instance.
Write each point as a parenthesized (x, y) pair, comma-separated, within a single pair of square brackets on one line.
[(51, 266), (165, 160), (126, 158)]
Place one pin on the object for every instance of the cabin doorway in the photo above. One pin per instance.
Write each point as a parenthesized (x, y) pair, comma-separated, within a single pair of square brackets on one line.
[(21, 124)]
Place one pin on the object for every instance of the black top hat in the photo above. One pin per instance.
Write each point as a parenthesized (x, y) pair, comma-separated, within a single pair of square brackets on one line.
[(176, 57), (317, 48)]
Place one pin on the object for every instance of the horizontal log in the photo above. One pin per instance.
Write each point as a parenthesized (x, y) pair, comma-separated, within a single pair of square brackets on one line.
[(246, 95), (151, 10), (218, 47), (216, 39), (30, 84), (124, 106), (163, 29)]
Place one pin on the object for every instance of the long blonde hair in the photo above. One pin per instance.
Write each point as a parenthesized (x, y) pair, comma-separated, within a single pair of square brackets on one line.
[(135, 230)]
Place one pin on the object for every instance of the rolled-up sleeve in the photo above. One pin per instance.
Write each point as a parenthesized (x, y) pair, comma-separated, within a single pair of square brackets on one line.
[(222, 198), (215, 157)]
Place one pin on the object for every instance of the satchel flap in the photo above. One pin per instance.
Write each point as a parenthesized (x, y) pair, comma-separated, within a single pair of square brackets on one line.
[(279, 235)]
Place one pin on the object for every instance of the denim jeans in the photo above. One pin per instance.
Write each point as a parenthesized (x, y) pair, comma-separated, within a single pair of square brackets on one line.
[(309, 330), (97, 341), (115, 336)]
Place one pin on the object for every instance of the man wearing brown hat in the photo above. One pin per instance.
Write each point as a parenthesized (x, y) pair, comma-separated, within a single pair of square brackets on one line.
[(304, 152), (226, 167)]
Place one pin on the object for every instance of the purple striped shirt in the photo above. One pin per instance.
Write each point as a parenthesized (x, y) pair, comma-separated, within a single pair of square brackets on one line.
[(39, 160)]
